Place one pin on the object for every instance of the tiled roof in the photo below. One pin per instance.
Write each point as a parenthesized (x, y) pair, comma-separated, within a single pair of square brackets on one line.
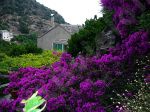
[(71, 28)]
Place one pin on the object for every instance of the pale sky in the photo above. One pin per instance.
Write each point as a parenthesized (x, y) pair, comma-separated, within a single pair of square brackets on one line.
[(74, 11)]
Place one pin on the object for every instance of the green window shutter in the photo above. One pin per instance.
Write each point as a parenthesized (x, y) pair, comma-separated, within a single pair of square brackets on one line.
[(59, 47)]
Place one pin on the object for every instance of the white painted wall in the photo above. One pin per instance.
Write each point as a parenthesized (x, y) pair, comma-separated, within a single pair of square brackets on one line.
[(7, 36)]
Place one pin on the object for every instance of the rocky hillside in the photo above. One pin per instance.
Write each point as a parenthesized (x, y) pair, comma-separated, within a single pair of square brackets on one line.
[(26, 16)]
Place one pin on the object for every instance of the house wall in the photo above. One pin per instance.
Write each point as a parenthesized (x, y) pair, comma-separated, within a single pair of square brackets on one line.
[(47, 40), (7, 36)]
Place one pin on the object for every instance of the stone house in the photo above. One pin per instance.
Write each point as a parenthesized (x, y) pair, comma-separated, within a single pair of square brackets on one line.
[(56, 38), (6, 35)]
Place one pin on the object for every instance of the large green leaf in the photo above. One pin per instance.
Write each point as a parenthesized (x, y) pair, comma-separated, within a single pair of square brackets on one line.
[(32, 104)]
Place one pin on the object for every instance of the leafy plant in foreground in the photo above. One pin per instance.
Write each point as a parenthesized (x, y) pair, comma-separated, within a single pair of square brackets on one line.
[(32, 104)]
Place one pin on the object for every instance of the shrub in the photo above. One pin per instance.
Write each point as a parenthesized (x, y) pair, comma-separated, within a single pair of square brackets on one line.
[(39, 60), (144, 22), (60, 79), (140, 102), (27, 45), (80, 84), (84, 41), (3, 25), (4, 47), (23, 25), (26, 39), (135, 96), (2, 55), (32, 48), (17, 50)]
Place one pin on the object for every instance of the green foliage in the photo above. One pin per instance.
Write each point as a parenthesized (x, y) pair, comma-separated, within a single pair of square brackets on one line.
[(32, 48), (135, 102), (26, 39), (144, 20), (17, 50), (2, 55), (27, 44), (23, 25), (3, 25), (108, 16), (28, 7), (140, 102), (135, 97), (32, 104), (84, 41), (39, 60), (5, 47)]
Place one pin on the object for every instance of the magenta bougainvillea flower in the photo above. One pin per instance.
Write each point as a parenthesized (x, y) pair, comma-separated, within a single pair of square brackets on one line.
[(83, 84)]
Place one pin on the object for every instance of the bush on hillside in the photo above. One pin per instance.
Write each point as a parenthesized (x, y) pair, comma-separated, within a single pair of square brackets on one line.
[(3, 25), (26, 44), (26, 39), (23, 25)]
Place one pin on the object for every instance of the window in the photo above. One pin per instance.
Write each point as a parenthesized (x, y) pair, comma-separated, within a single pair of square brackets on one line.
[(57, 47)]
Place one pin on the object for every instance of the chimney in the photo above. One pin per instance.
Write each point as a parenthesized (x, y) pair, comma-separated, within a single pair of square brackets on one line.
[(52, 20)]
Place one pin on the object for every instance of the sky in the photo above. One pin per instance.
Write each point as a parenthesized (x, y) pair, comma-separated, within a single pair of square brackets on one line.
[(74, 11)]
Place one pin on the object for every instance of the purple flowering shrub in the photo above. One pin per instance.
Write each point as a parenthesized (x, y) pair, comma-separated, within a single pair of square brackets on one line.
[(135, 42), (66, 85), (6, 105), (74, 85), (86, 84)]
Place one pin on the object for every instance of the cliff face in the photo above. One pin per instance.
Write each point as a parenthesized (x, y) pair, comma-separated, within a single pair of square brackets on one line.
[(25, 16)]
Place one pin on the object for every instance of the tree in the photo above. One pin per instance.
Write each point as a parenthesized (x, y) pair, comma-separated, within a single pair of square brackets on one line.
[(84, 41), (23, 25)]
